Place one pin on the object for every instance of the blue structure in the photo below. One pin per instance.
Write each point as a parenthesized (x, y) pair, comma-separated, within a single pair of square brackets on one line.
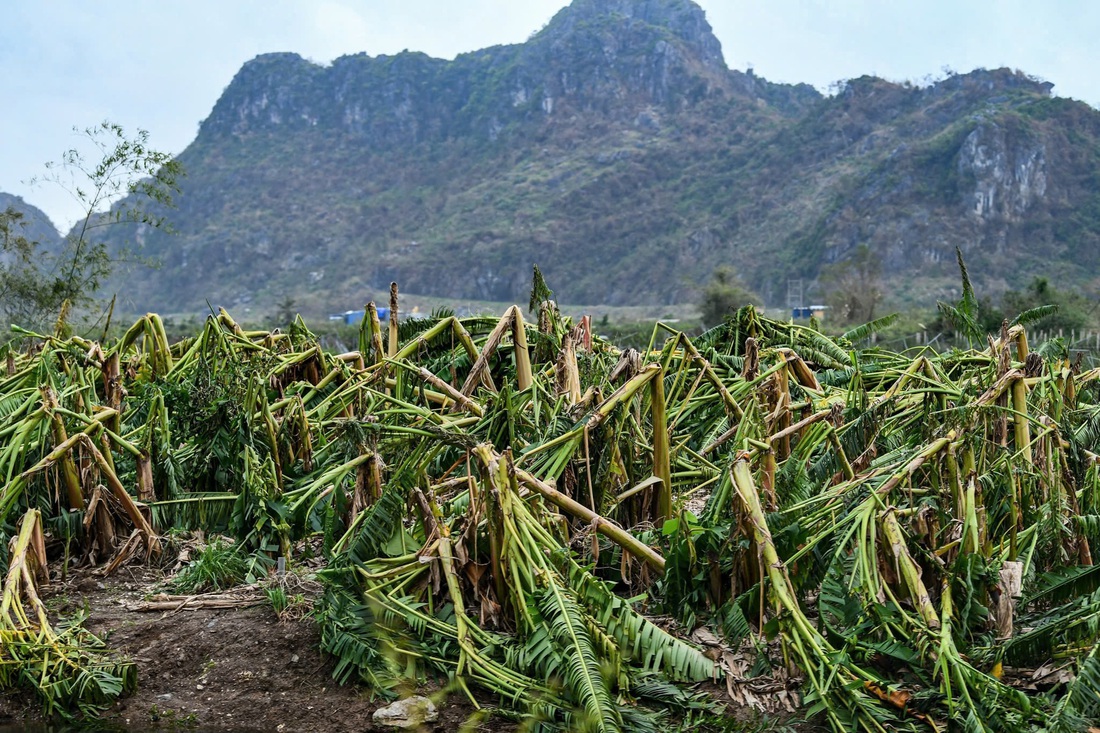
[(809, 311), (353, 318)]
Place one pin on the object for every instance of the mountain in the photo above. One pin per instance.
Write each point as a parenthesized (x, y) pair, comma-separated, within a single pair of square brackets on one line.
[(617, 150), (35, 226)]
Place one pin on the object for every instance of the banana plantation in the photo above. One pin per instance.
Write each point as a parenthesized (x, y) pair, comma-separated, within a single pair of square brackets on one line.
[(580, 537)]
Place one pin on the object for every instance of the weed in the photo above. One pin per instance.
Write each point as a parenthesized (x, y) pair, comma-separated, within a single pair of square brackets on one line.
[(218, 566), (278, 598)]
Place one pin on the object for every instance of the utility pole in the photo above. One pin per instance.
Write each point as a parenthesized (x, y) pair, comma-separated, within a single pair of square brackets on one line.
[(794, 293)]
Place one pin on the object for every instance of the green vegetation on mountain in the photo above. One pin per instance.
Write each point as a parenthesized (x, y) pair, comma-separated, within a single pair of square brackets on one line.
[(617, 150)]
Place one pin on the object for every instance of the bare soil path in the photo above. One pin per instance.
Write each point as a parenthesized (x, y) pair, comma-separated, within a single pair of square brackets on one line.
[(239, 669)]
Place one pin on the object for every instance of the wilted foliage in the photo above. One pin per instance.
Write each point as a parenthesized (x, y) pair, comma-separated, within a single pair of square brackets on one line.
[(906, 536)]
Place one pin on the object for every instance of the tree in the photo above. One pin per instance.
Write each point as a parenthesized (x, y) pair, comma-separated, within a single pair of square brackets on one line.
[(1039, 306), (853, 286), (722, 296), (119, 171), (973, 318), (23, 294), (285, 311), (1070, 311)]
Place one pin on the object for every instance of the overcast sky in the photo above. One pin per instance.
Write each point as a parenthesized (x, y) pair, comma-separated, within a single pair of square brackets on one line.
[(161, 64)]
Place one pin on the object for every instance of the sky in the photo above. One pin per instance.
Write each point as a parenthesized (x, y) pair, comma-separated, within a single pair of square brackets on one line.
[(160, 65)]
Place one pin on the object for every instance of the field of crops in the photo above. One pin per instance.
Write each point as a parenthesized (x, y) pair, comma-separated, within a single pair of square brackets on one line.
[(580, 535)]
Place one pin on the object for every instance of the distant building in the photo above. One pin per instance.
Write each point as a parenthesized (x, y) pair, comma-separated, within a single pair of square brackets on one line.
[(809, 311), (352, 318)]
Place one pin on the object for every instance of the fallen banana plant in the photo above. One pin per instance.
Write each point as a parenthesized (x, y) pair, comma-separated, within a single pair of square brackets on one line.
[(67, 667), (542, 519)]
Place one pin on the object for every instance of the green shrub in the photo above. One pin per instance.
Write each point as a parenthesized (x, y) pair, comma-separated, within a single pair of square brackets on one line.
[(218, 566)]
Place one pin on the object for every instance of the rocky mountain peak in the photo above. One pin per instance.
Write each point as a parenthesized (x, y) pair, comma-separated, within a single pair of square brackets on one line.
[(682, 19), (263, 92), (603, 57)]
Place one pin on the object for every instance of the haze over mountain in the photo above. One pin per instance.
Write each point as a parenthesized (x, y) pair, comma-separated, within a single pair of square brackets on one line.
[(617, 150)]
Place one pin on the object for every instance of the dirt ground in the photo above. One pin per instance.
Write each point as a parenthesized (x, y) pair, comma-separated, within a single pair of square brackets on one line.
[(236, 669)]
